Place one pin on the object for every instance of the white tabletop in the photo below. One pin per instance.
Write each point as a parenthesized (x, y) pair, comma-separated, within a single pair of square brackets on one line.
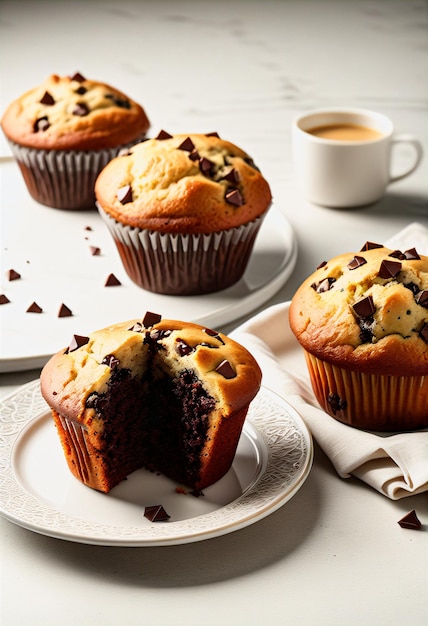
[(334, 554)]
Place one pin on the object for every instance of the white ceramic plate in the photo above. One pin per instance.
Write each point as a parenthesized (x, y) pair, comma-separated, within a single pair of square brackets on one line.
[(50, 248), (38, 492)]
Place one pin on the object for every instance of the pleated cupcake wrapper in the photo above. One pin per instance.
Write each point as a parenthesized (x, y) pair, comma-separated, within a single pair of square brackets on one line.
[(390, 403), (179, 264), (63, 179)]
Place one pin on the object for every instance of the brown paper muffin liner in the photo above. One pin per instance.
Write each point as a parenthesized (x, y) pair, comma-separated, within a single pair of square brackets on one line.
[(63, 179), (369, 401), (177, 264)]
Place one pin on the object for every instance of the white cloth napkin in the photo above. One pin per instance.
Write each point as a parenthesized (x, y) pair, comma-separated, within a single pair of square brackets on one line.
[(396, 465)]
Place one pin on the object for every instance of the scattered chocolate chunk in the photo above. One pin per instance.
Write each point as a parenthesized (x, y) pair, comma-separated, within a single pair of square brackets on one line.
[(150, 319), (324, 285), (156, 513), (47, 99), (64, 311), (232, 176), (410, 521), (336, 402), (13, 275), (77, 76), (233, 196), (322, 264), (4, 299), (41, 124), (213, 333), (81, 109), (34, 308), (124, 194), (366, 329), (163, 135), (411, 255), (225, 369), (183, 348), (137, 327), (213, 134), (187, 145), (370, 245), (194, 155), (356, 262), (111, 361), (424, 332), (389, 269), (397, 254), (81, 90), (95, 251), (112, 281), (365, 307), (414, 288), (77, 342), (122, 103), (421, 298), (206, 166)]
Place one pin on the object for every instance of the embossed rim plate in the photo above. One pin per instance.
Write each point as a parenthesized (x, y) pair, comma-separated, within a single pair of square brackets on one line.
[(52, 254), (38, 492)]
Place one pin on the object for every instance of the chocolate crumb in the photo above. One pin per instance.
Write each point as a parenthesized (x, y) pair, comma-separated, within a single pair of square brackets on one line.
[(370, 245), (4, 299), (64, 311), (112, 281), (389, 269), (225, 369), (156, 513), (365, 307), (163, 135), (77, 342), (410, 521), (34, 308), (88, 227), (356, 262), (47, 99), (336, 402), (13, 275), (150, 319), (95, 251), (124, 194)]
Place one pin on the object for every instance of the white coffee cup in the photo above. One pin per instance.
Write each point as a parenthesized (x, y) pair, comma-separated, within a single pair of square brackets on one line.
[(344, 173)]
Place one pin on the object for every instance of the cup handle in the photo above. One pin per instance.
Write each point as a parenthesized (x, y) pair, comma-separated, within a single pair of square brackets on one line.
[(410, 139)]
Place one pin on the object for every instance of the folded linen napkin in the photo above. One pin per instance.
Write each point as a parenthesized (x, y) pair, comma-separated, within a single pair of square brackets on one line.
[(396, 465)]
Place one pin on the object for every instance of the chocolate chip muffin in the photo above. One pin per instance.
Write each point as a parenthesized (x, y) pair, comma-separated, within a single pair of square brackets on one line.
[(64, 131), (167, 395), (362, 319), (184, 211)]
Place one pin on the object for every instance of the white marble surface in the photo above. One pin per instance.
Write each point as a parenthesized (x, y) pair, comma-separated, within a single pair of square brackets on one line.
[(334, 554)]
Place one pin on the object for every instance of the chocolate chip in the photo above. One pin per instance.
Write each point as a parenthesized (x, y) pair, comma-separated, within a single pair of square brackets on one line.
[(111, 361), (232, 176), (77, 76), (356, 262), (323, 285), (322, 264), (370, 245), (122, 103), (88, 227), (81, 109), (213, 333), (13, 275), (163, 135), (187, 145), (194, 155), (410, 521), (424, 332), (397, 254), (156, 513), (206, 166), (183, 348), (4, 299), (414, 288), (365, 307), (411, 254), (421, 298), (225, 369), (112, 281), (77, 342), (81, 90), (389, 269), (213, 134), (34, 308), (336, 403), (233, 196), (64, 311), (150, 319), (41, 124), (137, 327), (47, 99), (95, 251), (124, 194)]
